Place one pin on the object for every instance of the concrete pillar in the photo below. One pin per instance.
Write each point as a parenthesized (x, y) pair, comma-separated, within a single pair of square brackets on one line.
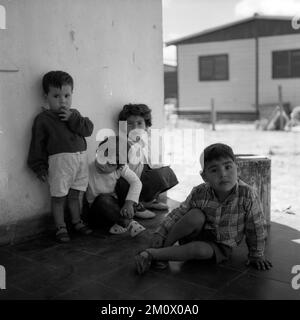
[(256, 171)]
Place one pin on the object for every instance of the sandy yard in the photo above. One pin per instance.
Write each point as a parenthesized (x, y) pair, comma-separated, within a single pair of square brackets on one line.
[(283, 148)]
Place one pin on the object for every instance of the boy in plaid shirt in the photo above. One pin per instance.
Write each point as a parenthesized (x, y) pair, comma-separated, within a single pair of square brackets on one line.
[(212, 220)]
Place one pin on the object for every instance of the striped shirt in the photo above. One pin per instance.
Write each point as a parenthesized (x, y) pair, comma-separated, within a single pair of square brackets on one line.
[(228, 221)]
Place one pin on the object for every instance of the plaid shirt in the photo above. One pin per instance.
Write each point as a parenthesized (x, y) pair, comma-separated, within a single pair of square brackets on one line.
[(228, 221)]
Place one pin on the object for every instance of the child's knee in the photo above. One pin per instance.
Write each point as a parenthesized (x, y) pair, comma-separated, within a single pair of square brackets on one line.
[(196, 218), (58, 200), (200, 250)]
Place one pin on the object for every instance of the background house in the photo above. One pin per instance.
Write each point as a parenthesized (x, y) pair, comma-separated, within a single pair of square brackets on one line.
[(170, 82), (240, 65), (102, 44)]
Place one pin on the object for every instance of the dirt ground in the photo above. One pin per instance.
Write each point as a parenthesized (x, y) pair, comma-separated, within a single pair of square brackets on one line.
[(283, 148)]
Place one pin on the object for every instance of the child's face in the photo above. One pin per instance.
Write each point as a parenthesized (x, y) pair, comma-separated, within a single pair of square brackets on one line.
[(135, 122), (221, 174), (105, 165), (59, 98)]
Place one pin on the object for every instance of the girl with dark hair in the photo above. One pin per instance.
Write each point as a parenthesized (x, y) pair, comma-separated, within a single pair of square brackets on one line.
[(155, 180)]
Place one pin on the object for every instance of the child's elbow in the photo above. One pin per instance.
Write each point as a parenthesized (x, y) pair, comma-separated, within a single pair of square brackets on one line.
[(139, 184), (89, 129)]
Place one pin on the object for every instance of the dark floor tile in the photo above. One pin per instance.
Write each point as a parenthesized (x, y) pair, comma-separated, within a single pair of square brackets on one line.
[(60, 285), (60, 255), (46, 279), (124, 250), (19, 268), (13, 293), (250, 287), (177, 290), (94, 291), (127, 280), (90, 244), (201, 273), (35, 246), (6, 254), (95, 266), (111, 244), (227, 296)]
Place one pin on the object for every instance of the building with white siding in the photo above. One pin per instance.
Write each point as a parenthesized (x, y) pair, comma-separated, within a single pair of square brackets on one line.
[(240, 65)]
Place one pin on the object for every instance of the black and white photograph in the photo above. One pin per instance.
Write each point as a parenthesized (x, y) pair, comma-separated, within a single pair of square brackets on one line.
[(150, 154)]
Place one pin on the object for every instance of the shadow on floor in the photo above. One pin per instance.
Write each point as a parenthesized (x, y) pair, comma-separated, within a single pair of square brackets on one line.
[(101, 267)]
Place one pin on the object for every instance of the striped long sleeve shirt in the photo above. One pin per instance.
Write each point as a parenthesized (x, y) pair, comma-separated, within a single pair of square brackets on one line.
[(239, 215)]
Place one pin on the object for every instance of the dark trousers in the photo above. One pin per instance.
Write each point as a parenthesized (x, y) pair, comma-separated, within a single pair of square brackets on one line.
[(105, 212)]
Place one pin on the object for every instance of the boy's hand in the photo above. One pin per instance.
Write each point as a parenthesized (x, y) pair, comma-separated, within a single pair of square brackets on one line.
[(128, 209), (64, 114), (259, 263), (157, 241)]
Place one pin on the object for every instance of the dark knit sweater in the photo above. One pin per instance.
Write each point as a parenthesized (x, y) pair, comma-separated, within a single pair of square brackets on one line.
[(51, 135)]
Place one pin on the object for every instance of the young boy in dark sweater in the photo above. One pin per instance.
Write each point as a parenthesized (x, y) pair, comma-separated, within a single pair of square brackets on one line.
[(57, 151)]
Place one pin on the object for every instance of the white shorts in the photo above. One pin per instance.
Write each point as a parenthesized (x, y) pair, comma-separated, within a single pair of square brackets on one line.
[(67, 171)]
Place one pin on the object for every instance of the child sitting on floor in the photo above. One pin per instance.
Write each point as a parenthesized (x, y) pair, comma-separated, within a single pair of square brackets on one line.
[(212, 220), (155, 179), (105, 207)]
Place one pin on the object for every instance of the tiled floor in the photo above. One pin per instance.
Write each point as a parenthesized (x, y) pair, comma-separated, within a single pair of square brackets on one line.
[(101, 266)]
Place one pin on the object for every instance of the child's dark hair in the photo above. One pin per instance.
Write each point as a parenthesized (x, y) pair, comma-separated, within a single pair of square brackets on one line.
[(56, 79), (141, 110), (217, 151)]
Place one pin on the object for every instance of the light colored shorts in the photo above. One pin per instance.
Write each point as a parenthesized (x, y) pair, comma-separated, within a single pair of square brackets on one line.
[(67, 171)]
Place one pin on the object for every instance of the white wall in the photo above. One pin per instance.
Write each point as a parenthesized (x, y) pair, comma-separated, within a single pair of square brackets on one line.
[(235, 94), (113, 50), (268, 87)]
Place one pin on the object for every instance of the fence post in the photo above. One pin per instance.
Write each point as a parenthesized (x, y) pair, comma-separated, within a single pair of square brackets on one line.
[(256, 171), (281, 107), (213, 114)]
